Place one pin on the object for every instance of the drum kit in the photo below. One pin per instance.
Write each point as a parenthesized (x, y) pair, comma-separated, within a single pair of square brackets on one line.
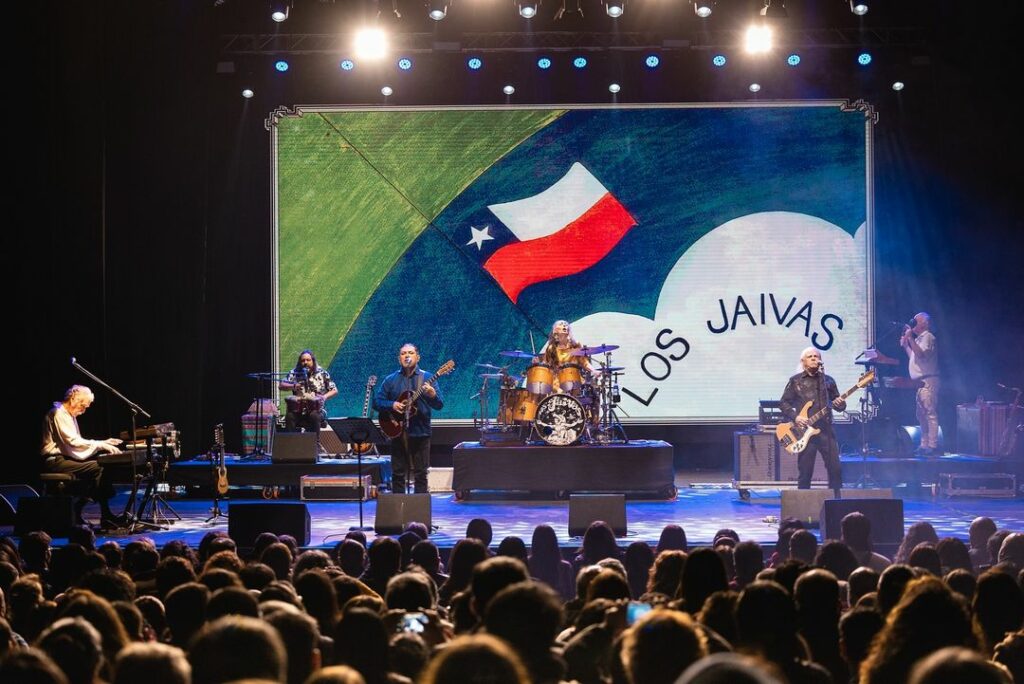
[(560, 405)]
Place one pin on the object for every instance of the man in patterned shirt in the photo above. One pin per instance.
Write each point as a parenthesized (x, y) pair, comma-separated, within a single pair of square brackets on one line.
[(311, 386)]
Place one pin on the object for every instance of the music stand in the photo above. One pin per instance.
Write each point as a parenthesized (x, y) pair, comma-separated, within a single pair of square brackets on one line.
[(358, 431)]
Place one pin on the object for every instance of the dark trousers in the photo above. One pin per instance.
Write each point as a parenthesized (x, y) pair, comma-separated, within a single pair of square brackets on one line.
[(825, 444), (410, 453), (309, 421), (98, 488)]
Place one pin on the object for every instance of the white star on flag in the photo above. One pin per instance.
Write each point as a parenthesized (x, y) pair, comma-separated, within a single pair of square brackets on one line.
[(479, 236)]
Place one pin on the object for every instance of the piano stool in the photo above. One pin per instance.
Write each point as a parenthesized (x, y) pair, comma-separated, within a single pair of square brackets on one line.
[(62, 484)]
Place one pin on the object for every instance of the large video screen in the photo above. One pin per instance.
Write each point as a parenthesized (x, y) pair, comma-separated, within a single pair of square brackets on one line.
[(711, 244)]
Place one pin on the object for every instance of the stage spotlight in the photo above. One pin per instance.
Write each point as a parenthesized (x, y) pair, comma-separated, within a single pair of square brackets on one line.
[(758, 39), (719, 60), (652, 61), (864, 58), (858, 8), (278, 10), (543, 63), (386, 91), (371, 43), (896, 85), (474, 63), (702, 8), (347, 65), (614, 88), (437, 9), (774, 9), (793, 60), (281, 65), (528, 9), (508, 90), (754, 87), (247, 93), (615, 8), (580, 62), (405, 64)]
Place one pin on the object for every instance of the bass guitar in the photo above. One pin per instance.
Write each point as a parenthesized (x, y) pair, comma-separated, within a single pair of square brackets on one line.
[(218, 450), (394, 423), (363, 447), (794, 439)]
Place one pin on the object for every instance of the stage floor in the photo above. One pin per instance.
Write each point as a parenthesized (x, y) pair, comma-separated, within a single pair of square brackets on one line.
[(706, 502)]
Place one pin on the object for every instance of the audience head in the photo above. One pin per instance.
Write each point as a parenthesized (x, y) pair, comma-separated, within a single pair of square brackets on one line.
[(998, 606), (514, 547), (766, 622), (410, 591), (361, 642), (803, 546), (599, 543), (918, 533), (256, 576), (608, 584), (426, 555), (408, 654), (856, 531), (660, 646), (152, 663), (994, 543), (301, 640), (493, 575), (173, 571), (279, 557), (232, 601), (748, 559), (351, 557), (1011, 551), (185, 607), (528, 616), (480, 529), (861, 581), (666, 572), (76, 647), (703, 575), (962, 582), (478, 659), (237, 647), (837, 558), (954, 555), (857, 629), (925, 557), (673, 538), (955, 665), (385, 555), (981, 529), (1010, 654), (310, 560)]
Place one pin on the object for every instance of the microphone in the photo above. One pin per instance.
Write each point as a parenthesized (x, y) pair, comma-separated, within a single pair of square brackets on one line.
[(73, 361)]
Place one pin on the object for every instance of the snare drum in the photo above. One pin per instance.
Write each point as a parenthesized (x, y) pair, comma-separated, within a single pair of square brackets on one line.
[(540, 378), (517, 405), (560, 419), (570, 378)]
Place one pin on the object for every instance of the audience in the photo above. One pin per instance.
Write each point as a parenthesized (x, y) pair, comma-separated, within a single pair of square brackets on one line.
[(390, 615)]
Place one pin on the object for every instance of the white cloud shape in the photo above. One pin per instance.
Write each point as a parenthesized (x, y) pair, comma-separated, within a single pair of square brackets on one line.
[(782, 254)]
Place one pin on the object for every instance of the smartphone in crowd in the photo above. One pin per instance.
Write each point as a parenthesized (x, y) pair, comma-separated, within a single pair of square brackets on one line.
[(636, 609), (413, 622)]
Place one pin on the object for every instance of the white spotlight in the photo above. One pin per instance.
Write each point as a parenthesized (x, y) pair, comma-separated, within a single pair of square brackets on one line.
[(386, 91), (702, 8), (898, 86), (508, 90), (615, 8), (758, 39), (278, 10), (774, 9), (614, 88), (858, 8), (437, 9), (370, 44), (754, 87), (247, 93), (528, 9)]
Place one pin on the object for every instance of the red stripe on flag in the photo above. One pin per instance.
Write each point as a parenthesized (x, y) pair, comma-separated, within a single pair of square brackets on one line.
[(575, 248)]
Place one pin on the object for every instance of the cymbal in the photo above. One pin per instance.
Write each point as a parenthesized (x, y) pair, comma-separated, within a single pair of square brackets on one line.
[(610, 369), (493, 376), (873, 357), (593, 351), (491, 366), (516, 354), (259, 375)]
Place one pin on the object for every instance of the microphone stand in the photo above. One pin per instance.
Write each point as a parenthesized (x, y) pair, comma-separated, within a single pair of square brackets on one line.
[(133, 522)]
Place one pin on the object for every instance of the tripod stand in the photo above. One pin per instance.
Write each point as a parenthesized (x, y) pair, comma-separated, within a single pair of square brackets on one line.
[(360, 432), (220, 472), (258, 451), (152, 500), (868, 410)]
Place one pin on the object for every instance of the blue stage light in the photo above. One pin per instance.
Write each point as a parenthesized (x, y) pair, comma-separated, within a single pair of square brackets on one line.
[(347, 65), (281, 65), (793, 59), (718, 60), (474, 63), (652, 61), (544, 63), (405, 64), (864, 58), (579, 62)]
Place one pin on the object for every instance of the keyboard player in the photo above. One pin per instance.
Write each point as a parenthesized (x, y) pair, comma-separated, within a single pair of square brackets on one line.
[(64, 450)]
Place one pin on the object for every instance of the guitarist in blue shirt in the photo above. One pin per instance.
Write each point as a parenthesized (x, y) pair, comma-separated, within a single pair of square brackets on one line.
[(812, 385), (410, 450)]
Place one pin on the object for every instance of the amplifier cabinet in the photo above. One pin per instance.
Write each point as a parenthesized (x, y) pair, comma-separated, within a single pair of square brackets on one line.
[(758, 457), (336, 488)]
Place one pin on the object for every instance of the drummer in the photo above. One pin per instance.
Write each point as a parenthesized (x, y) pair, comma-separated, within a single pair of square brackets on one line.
[(308, 383), (559, 348)]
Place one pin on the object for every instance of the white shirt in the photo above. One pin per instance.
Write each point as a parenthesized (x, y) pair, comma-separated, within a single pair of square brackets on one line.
[(61, 436), (926, 363)]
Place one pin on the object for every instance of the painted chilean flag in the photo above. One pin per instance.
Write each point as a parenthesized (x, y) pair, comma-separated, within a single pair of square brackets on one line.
[(563, 230)]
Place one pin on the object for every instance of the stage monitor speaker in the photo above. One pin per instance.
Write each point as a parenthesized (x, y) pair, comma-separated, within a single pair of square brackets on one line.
[(249, 519), (910, 439), (395, 511), (586, 508), (805, 504), (294, 447), (9, 497), (51, 514), (886, 516)]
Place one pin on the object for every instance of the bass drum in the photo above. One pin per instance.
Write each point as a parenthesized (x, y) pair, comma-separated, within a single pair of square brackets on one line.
[(560, 419), (517, 406)]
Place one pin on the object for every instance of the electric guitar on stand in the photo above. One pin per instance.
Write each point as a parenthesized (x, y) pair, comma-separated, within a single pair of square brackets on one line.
[(794, 439), (393, 423), (363, 447)]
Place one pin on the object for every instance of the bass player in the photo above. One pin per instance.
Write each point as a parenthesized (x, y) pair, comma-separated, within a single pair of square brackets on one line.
[(411, 449), (812, 385)]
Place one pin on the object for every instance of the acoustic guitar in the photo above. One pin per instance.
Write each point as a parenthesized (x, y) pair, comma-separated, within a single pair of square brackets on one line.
[(363, 447), (794, 439), (218, 449), (393, 423)]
